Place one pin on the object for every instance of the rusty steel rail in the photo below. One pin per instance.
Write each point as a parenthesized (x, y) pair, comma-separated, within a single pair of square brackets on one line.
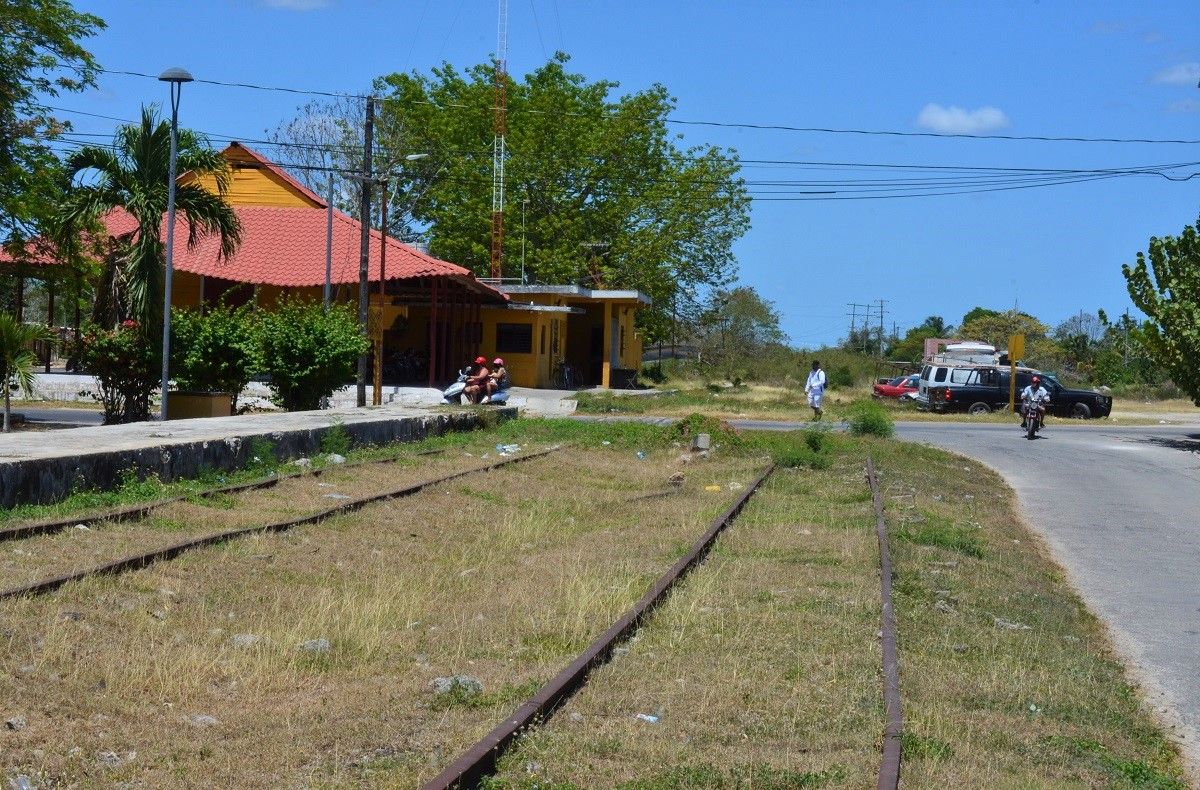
[(136, 561), (479, 761), (889, 767), (134, 512)]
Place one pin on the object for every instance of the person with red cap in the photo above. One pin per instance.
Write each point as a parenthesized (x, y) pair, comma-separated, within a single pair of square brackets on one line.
[(477, 381), (1033, 402), (499, 380)]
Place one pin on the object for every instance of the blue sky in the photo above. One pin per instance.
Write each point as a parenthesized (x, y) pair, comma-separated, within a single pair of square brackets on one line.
[(1097, 69)]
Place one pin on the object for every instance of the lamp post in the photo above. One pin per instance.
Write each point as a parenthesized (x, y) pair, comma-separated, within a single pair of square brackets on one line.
[(176, 77), (363, 294)]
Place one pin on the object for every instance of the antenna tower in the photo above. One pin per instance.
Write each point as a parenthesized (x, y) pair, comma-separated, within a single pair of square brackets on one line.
[(500, 128)]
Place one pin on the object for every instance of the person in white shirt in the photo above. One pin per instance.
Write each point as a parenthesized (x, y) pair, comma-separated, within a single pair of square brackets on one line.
[(815, 389), (1034, 399)]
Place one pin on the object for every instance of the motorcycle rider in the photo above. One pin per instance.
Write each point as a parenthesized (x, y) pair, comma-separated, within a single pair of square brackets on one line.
[(477, 381), (1034, 399)]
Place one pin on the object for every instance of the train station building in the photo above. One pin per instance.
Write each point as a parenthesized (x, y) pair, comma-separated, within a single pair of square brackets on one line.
[(430, 315)]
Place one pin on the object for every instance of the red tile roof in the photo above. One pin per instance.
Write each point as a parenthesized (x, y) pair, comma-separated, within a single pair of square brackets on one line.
[(285, 246)]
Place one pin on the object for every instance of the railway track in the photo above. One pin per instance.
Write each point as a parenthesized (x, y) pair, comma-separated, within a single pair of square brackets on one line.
[(141, 510), (889, 767), (479, 761), (143, 559)]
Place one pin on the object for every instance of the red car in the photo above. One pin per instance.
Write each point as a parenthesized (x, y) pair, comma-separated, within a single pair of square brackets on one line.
[(899, 387)]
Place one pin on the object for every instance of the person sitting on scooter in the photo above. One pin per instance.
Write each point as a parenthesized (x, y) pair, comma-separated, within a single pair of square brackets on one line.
[(477, 381), (1034, 399), (498, 381)]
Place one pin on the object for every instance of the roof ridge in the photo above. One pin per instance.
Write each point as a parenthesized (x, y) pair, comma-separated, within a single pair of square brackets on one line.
[(279, 171)]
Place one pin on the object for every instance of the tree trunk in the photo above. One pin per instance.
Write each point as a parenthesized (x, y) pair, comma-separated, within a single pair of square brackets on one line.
[(6, 407)]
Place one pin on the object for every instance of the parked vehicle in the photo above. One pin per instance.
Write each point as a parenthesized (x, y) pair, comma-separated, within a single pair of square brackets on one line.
[(982, 389), (899, 387), (453, 393)]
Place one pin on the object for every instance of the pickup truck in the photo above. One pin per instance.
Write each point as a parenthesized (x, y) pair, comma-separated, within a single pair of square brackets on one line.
[(985, 389)]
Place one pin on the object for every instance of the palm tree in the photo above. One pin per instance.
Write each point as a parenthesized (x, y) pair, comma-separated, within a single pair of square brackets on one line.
[(16, 360), (133, 175)]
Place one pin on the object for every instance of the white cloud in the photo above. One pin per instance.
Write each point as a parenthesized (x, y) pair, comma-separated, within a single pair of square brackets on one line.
[(1184, 105), (956, 120), (297, 5), (1186, 74)]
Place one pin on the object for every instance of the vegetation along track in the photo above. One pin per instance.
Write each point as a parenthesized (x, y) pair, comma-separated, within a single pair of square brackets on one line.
[(143, 509), (142, 559), (889, 768), (479, 761)]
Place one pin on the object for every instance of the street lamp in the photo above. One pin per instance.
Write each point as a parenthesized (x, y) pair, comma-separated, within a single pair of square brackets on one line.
[(366, 179), (176, 77)]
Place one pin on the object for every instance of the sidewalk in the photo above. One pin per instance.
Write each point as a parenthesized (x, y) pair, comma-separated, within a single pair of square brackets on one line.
[(45, 466), (66, 387)]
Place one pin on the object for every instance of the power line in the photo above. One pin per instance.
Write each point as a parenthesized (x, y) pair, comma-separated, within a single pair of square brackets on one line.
[(713, 124)]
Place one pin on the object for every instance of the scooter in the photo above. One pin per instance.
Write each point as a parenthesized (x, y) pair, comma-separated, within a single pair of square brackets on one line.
[(453, 393), (497, 398)]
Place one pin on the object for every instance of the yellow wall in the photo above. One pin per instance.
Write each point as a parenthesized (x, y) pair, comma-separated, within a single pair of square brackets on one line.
[(525, 370), (253, 184)]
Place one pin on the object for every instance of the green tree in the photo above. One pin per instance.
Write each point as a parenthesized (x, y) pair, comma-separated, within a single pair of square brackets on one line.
[(307, 351), (995, 328), (608, 195), (40, 57), (1165, 285), (736, 324), (215, 350), (912, 347), (978, 312), (16, 357), (132, 175)]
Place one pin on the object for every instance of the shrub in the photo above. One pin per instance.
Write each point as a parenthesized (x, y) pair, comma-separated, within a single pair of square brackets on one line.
[(841, 376), (214, 351), (127, 367), (308, 352), (868, 417), (336, 440)]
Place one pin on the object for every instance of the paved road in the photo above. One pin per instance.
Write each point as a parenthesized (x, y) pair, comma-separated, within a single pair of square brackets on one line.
[(1120, 509), (61, 416)]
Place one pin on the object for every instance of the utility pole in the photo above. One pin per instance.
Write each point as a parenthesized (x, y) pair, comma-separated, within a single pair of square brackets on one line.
[(328, 236), (881, 328), (854, 324), (365, 247)]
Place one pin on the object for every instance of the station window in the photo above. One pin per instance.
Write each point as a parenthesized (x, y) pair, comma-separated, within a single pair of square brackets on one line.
[(514, 338)]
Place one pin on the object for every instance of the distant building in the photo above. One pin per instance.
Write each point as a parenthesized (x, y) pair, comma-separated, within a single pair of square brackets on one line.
[(433, 315)]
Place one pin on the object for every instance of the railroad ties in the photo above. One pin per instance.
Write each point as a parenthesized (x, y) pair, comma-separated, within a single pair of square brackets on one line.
[(141, 560)]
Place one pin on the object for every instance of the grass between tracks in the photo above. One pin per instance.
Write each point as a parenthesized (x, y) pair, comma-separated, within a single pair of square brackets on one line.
[(762, 669)]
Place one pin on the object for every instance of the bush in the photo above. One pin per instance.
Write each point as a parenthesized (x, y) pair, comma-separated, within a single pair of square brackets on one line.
[(127, 367), (336, 440), (868, 417), (214, 351), (308, 352), (841, 376)]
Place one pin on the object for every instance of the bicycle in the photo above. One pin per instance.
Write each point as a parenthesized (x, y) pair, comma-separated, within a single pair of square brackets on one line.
[(564, 375)]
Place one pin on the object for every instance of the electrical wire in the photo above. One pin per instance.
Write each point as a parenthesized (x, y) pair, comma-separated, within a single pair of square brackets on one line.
[(713, 124)]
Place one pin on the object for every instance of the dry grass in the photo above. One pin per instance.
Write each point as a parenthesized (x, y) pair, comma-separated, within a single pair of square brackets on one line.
[(764, 666), (503, 577)]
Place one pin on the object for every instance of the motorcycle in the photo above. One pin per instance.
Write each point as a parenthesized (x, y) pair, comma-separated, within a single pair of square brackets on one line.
[(453, 393), (1035, 417)]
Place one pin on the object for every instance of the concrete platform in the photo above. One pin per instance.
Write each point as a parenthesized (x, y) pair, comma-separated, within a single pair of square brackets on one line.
[(45, 466)]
